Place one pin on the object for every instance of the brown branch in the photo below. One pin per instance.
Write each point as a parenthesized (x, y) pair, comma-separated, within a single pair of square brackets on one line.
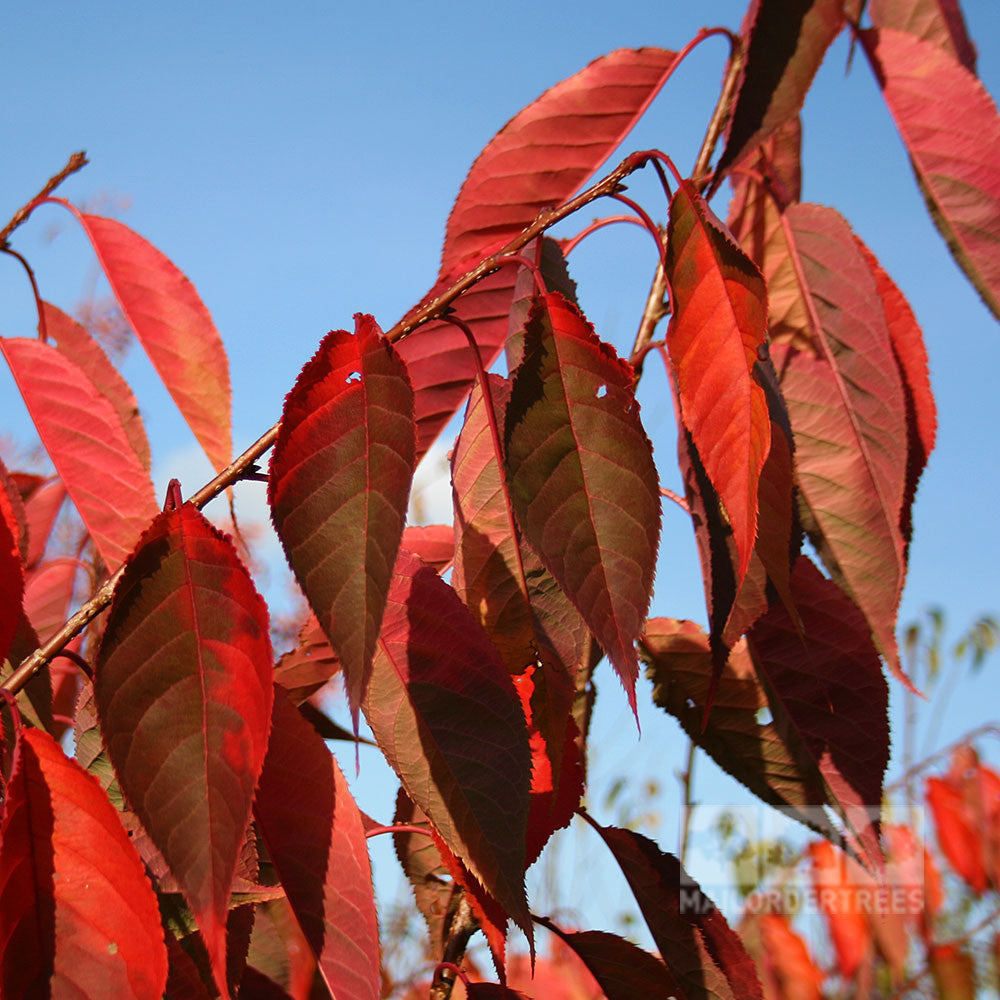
[(720, 115), (462, 928), (76, 162), (243, 466), (656, 308)]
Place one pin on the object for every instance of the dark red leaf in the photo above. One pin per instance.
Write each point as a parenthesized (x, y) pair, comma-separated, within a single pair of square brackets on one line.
[(316, 842), (84, 437), (537, 160), (340, 478), (833, 352), (84, 351), (937, 21), (786, 41), (623, 970), (445, 714), (492, 991), (185, 722), (14, 505), (11, 573), (77, 914), (702, 952), (581, 476), (951, 130), (719, 323), (174, 327)]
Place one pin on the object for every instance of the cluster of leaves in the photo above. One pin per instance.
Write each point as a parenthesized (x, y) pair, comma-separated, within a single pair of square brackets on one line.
[(903, 931), (202, 840)]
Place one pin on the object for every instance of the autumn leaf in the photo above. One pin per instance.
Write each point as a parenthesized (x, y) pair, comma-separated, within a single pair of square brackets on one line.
[(83, 435), (444, 712), (718, 325), (537, 160), (315, 839), (937, 21), (950, 127), (339, 483), (174, 327), (185, 722), (77, 913), (11, 573), (839, 903), (581, 476)]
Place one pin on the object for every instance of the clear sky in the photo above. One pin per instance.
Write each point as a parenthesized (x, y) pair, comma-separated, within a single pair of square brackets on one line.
[(298, 162)]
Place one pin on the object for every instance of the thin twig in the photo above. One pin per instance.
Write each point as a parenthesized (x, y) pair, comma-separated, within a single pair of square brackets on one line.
[(656, 308), (720, 115), (988, 729), (43, 331), (76, 162), (462, 928), (687, 806), (237, 469)]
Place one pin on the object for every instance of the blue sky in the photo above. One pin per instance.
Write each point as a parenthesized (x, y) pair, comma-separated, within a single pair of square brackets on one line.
[(298, 162)]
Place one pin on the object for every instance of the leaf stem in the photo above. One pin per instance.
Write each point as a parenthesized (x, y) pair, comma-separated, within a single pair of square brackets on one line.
[(569, 245), (377, 831), (76, 162), (43, 332)]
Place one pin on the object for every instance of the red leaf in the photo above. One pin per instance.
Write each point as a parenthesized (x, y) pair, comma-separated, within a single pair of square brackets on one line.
[(836, 883), (84, 351), (623, 970), (537, 160), (718, 325), (11, 574), (174, 327), (14, 505), (951, 130), (185, 722), (959, 835), (581, 476), (340, 478), (786, 956), (937, 21), (700, 949), (492, 991), (446, 716), (316, 841), (434, 543), (48, 595), (786, 42), (304, 670), (88, 446), (41, 509), (827, 690), (911, 356), (77, 914), (832, 349), (914, 869)]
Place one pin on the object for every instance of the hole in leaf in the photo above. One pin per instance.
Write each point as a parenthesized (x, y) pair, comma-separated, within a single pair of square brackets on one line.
[(602, 391), (353, 377), (690, 703), (763, 716)]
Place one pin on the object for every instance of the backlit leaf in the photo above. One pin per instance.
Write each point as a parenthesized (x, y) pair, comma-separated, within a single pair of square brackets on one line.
[(174, 327), (434, 543), (48, 595), (951, 129), (84, 437), (937, 21), (316, 842), (185, 722), (77, 914), (836, 884), (959, 839), (11, 573), (340, 478), (833, 352), (445, 714), (581, 476), (302, 671), (786, 41), (785, 956), (701, 950), (719, 323), (41, 508), (537, 160), (81, 348)]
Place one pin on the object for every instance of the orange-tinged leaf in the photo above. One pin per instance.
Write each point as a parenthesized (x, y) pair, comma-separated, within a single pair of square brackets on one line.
[(951, 129), (787, 957), (914, 870), (836, 882), (581, 476), (174, 327), (786, 41), (537, 160), (937, 21), (959, 840), (81, 348), (831, 347), (316, 841), (84, 437), (339, 483), (185, 722), (78, 916), (701, 950), (444, 712), (719, 323)]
